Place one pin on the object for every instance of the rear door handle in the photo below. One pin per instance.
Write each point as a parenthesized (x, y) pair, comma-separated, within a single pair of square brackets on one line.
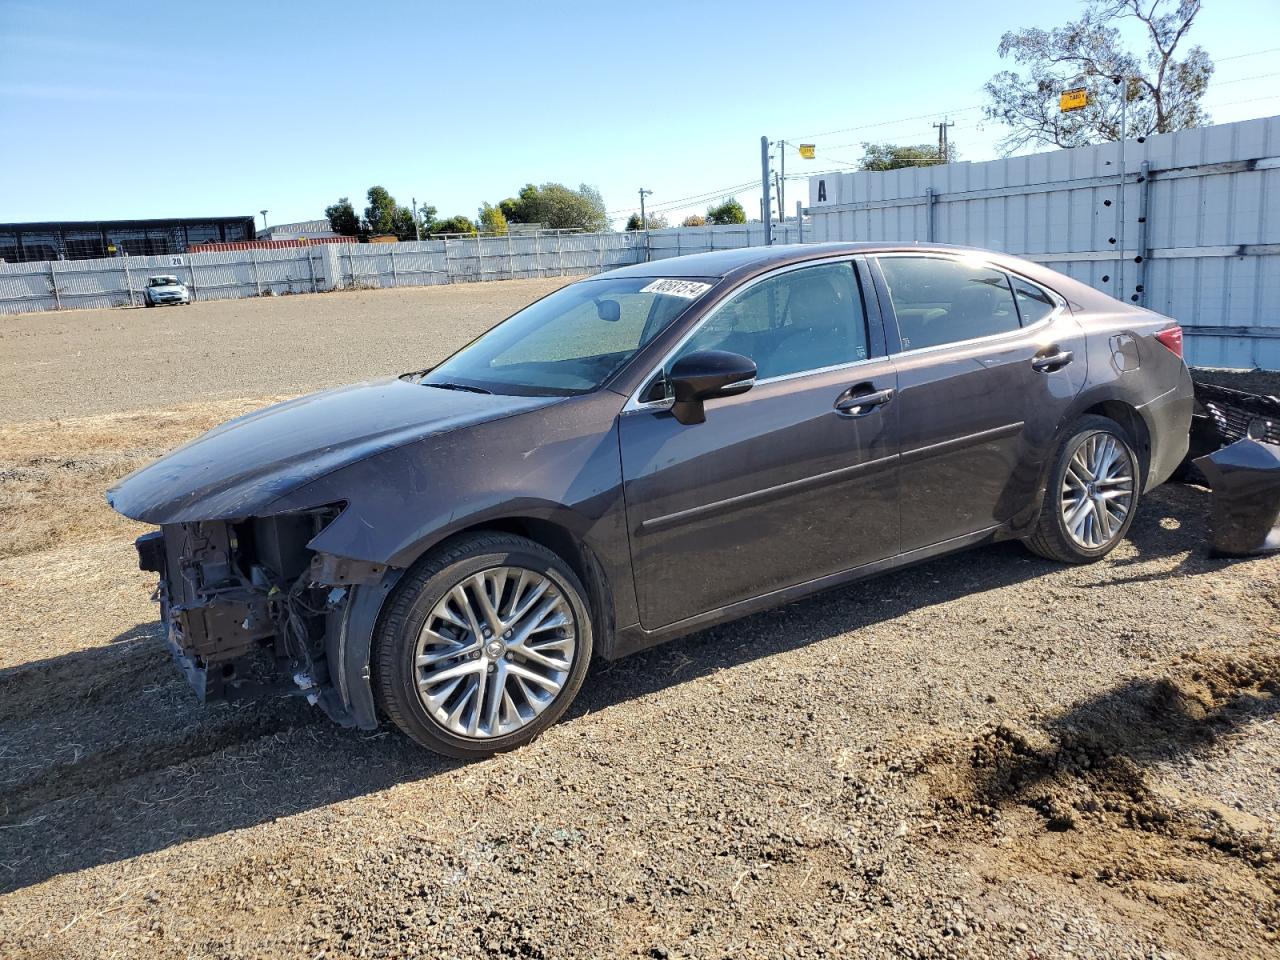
[(861, 404), (1053, 361)]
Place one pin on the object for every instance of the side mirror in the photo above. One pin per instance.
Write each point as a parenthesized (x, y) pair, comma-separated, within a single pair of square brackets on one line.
[(707, 374)]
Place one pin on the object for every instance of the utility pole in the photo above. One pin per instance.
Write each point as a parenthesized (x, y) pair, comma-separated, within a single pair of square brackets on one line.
[(644, 222), (417, 229), (766, 202), (782, 181), (944, 154), (264, 219), (1122, 85)]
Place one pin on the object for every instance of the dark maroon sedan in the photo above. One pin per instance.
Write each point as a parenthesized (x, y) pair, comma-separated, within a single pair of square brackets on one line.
[(640, 455)]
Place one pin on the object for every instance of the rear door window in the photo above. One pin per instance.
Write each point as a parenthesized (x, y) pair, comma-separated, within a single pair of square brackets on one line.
[(939, 300)]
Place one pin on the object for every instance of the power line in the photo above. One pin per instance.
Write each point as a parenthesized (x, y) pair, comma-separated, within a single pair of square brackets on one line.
[(791, 143), (693, 199), (1260, 76), (930, 116), (886, 123), (1255, 53)]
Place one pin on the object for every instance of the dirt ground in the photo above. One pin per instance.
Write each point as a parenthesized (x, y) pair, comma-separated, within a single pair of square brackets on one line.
[(105, 361), (985, 756)]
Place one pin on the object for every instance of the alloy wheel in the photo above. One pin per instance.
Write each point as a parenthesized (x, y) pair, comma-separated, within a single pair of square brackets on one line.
[(495, 652), (1097, 490)]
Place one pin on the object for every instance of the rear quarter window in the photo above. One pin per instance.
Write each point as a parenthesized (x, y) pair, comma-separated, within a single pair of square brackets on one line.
[(1034, 303)]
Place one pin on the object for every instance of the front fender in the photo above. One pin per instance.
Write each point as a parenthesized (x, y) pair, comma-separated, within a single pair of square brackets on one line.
[(348, 643)]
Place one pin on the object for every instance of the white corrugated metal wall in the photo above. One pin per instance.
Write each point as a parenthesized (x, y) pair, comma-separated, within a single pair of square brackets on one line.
[(1199, 239)]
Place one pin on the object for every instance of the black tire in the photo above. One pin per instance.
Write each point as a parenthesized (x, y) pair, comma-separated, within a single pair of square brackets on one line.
[(1051, 538), (395, 641)]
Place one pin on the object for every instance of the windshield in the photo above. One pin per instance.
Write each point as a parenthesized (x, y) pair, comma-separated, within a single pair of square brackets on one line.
[(163, 281), (571, 341)]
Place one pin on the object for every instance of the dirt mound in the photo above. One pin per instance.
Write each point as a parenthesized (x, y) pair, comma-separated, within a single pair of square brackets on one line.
[(1082, 796)]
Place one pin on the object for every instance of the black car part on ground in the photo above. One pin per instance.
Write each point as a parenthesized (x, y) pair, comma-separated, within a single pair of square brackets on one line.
[(1235, 449), (1245, 477)]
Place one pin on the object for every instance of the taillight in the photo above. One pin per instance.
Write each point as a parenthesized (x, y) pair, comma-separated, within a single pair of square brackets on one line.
[(1171, 337)]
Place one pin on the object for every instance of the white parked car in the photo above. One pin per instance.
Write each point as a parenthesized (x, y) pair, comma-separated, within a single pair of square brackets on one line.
[(164, 290)]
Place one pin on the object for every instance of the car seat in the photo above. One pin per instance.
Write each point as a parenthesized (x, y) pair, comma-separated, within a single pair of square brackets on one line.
[(818, 335)]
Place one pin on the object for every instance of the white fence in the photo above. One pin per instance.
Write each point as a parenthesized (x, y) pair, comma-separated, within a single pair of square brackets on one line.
[(1194, 233), (120, 281), (678, 241)]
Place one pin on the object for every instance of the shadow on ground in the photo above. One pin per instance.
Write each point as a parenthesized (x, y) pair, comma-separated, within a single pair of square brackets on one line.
[(106, 754)]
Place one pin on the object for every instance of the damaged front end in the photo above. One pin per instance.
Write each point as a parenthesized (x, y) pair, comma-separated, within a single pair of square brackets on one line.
[(248, 609)]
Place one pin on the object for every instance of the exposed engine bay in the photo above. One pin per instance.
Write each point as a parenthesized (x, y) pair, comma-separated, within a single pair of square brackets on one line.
[(248, 609)]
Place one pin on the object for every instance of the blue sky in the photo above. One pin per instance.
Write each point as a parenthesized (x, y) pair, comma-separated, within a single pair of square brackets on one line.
[(192, 109)]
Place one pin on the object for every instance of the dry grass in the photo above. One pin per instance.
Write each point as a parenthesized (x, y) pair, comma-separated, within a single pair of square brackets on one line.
[(54, 474)]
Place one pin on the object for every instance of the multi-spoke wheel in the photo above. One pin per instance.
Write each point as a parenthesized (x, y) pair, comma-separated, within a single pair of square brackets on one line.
[(1097, 490), (495, 652), (1091, 495), (484, 645)]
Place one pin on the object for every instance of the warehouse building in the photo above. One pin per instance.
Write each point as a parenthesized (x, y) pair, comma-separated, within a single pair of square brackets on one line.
[(92, 239)]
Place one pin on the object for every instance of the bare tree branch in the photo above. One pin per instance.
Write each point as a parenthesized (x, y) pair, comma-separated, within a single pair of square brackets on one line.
[(1162, 97)]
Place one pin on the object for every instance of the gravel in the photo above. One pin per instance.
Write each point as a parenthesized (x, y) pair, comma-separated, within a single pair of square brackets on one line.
[(984, 756)]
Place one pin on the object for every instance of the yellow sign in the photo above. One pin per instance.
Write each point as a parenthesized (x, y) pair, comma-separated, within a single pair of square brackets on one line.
[(1076, 99), (806, 150)]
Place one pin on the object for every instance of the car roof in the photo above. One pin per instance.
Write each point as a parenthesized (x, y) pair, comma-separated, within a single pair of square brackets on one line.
[(722, 263)]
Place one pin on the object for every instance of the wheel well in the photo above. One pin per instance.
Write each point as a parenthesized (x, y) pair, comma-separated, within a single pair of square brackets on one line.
[(569, 548), (1133, 425)]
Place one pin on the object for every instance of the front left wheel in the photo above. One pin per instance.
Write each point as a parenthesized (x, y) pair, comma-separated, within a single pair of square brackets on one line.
[(485, 644)]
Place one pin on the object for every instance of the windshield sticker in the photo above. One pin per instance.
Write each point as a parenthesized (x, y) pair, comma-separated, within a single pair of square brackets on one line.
[(688, 289)]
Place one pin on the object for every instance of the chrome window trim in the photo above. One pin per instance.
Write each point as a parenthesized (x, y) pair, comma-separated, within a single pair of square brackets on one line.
[(635, 405), (1059, 301)]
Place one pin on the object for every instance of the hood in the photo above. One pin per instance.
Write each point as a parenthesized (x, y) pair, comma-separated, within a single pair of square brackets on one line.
[(240, 468)]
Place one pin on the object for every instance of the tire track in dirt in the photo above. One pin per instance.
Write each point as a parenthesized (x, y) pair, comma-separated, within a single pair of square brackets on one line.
[(88, 720)]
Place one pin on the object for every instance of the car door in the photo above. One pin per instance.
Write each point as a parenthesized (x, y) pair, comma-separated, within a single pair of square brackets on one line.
[(985, 376), (792, 480)]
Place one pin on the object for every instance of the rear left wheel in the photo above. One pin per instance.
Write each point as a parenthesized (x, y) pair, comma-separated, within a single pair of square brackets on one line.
[(484, 645), (1091, 496)]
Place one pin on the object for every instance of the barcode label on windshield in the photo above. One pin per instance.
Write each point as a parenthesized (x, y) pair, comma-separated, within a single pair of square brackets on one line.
[(689, 289)]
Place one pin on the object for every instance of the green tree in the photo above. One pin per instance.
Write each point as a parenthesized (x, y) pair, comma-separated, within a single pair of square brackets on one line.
[(402, 224), (657, 221), (454, 224), (558, 207), (727, 211), (1162, 93), (379, 215), (492, 220), (342, 218), (892, 156)]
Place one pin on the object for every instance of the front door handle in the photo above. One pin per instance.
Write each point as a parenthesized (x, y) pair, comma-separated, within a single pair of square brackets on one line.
[(860, 404), (1047, 363)]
